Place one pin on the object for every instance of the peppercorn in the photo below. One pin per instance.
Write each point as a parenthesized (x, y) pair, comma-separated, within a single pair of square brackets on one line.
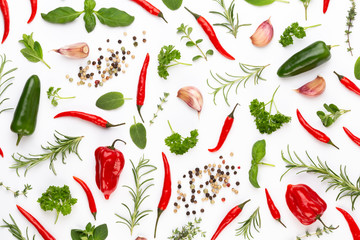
[(237, 183), (144, 40), (107, 40), (187, 213), (119, 41), (175, 204), (179, 186), (202, 210)]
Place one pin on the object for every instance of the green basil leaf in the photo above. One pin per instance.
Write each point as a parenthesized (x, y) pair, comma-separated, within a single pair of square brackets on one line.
[(110, 101), (90, 22), (61, 15), (260, 2), (138, 134), (114, 17), (30, 55), (173, 4), (357, 69), (253, 173), (259, 151), (196, 57), (76, 234), (89, 6), (101, 232), (38, 49)]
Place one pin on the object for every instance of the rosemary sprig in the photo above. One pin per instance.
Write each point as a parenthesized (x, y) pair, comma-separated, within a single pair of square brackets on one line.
[(319, 232), (4, 84), (349, 24), (188, 232), (227, 84), (232, 25), (160, 106), (339, 181), (138, 194), (184, 29), (15, 230), (63, 146), (17, 193), (254, 221)]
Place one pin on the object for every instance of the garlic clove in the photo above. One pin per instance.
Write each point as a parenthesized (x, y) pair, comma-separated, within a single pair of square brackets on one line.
[(263, 34), (192, 97), (76, 50), (313, 88)]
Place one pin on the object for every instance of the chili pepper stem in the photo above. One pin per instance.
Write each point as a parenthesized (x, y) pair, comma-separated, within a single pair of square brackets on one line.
[(332, 144), (157, 220), (162, 16), (108, 125), (281, 222), (139, 108), (94, 214), (196, 16), (241, 206), (338, 75), (18, 139), (231, 115), (317, 25)]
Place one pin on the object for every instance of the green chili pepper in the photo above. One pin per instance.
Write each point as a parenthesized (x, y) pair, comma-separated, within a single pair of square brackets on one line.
[(24, 121), (306, 59)]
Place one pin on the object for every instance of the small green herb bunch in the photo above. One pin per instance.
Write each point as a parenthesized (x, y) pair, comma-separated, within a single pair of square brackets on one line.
[(17, 193), (160, 107), (90, 233), (180, 145), (32, 51), (318, 233), (168, 57), (188, 232), (53, 95), (334, 113), (294, 30), (349, 24)]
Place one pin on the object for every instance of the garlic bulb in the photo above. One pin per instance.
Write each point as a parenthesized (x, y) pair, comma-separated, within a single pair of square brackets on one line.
[(76, 50), (313, 88), (192, 96), (263, 34)]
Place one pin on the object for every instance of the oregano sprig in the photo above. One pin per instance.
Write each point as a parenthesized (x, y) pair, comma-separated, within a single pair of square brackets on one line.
[(349, 24), (17, 193), (160, 106), (53, 95), (318, 233)]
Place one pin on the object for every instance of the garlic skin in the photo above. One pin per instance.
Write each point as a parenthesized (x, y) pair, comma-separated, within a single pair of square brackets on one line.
[(263, 34), (192, 97), (140, 238), (313, 88), (76, 50)]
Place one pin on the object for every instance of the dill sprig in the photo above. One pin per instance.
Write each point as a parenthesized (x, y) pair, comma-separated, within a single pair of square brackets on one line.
[(4, 84), (138, 193), (232, 25), (227, 84), (17, 193), (188, 232), (15, 230), (62, 146), (339, 181), (254, 221), (349, 24), (160, 106), (318, 233)]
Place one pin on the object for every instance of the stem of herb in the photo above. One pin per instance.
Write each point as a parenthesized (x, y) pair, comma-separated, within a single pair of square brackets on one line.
[(349, 23), (272, 99), (283, 1), (17, 193), (170, 127), (266, 164), (177, 63), (15, 230), (159, 106), (317, 25), (45, 63)]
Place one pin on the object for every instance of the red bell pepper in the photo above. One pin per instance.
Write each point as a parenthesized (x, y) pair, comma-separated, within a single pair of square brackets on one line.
[(109, 165)]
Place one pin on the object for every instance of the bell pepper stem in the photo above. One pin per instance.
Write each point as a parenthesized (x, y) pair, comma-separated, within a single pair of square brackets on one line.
[(113, 144), (157, 220)]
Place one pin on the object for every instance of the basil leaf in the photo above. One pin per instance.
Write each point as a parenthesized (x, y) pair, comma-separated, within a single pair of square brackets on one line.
[(89, 6), (110, 101), (30, 55), (173, 4), (61, 15), (90, 22), (38, 49), (101, 232), (138, 134), (114, 17), (357, 69), (253, 173), (260, 2), (258, 151)]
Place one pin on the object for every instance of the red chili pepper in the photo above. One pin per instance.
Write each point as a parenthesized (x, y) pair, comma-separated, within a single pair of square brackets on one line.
[(322, 137), (140, 98), (33, 10), (352, 224), (306, 205), (88, 117), (5, 12), (150, 8), (166, 192), (45, 234), (208, 29), (109, 165), (225, 130), (273, 209), (354, 138), (348, 84), (326, 5), (229, 218), (89, 195), (1, 153)]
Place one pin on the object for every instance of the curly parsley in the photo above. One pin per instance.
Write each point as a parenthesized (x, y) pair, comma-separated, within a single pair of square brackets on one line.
[(168, 57), (294, 30), (265, 122), (180, 145)]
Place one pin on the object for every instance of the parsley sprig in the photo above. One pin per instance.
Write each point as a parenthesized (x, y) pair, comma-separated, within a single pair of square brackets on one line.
[(188, 231), (265, 122), (53, 95), (32, 51), (180, 145), (168, 57), (294, 30)]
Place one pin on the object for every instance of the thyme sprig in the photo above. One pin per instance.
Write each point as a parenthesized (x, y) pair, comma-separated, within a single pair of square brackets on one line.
[(62, 146), (15, 230), (188, 232), (138, 193), (232, 25), (4, 84), (339, 181), (349, 24), (17, 193), (225, 85), (253, 222), (160, 106), (319, 232)]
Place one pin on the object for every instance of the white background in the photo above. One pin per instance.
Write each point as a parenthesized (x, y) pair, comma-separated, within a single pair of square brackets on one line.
[(183, 119)]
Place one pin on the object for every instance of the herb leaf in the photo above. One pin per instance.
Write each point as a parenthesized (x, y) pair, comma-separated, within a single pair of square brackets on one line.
[(188, 231), (17, 193), (357, 69), (32, 51), (90, 233), (264, 2), (4, 84), (89, 6), (168, 57), (138, 134), (349, 24), (15, 230), (61, 15), (111, 101), (53, 95), (160, 106), (173, 4), (293, 30), (114, 17), (334, 113), (90, 21), (254, 221), (180, 145)]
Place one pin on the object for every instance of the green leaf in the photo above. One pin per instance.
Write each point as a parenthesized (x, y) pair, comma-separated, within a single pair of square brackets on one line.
[(101, 232), (173, 4), (38, 49), (253, 173), (89, 6), (199, 41), (76, 234), (90, 21), (110, 101), (259, 151), (189, 30), (196, 57), (61, 15), (30, 55), (357, 69), (260, 2), (114, 17), (209, 52), (190, 43), (138, 134)]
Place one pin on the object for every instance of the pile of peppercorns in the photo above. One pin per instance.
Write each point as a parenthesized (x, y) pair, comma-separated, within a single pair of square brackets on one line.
[(205, 184)]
